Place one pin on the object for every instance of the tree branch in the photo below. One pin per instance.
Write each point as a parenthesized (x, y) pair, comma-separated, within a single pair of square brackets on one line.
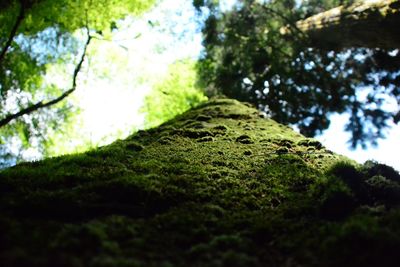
[(13, 32), (291, 24), (363, 24), (42, 104)]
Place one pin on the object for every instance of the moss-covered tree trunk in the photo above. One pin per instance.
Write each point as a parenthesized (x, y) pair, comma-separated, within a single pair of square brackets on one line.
[(373, 23), (218, 186)]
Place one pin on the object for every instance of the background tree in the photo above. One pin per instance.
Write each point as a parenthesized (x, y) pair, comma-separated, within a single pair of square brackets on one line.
[(362, 24), (175, 94), (38, 36), (293, 79)]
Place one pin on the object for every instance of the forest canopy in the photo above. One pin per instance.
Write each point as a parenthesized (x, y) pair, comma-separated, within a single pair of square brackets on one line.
[(298, 80), (37, 36)]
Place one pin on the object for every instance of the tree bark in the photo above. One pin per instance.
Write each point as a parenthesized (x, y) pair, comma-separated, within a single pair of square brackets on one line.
[(217, 186), (13, 33), (373, 23)]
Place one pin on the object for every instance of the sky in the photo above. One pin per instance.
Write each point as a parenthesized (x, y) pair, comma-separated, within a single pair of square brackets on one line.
[(139, 64), (118, 74), (335, 139), (110, 98)]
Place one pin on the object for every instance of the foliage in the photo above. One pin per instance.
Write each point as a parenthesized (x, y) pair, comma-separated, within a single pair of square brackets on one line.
[(247, 58), (217, 186), (34, 36), (174, 94)]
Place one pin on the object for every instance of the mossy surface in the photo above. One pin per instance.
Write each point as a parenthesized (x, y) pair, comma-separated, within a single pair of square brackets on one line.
[(217, 186)]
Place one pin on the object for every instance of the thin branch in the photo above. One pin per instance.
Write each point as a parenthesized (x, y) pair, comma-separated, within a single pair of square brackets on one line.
[(42, 104), (13, 32), (288, 21)]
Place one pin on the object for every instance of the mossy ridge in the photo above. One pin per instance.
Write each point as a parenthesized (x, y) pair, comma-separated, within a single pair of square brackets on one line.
[(216, 186)]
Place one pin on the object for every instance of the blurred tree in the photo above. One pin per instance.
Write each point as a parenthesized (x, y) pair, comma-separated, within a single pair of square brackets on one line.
[(35, 36), (364, 24), (173, 95), (291, 76)]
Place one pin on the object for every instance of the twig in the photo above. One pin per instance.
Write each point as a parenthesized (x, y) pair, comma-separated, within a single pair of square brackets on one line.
[(289, 21)]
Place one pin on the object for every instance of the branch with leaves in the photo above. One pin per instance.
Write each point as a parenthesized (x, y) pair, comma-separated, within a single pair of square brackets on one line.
[(42, 104)]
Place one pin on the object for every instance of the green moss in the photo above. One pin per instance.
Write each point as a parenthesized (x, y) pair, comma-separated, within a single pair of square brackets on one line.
[(216, 186)]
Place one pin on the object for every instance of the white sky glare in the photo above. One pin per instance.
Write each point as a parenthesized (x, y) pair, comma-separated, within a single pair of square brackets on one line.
[(335, 139), (119, 74), (110, 99), (141, 62)]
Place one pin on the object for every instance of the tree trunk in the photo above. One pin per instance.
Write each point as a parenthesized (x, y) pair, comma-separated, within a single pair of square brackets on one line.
[(374, 23), (218, 186)]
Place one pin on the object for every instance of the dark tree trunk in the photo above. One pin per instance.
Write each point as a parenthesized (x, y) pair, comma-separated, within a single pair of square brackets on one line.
[(374, 23), (218, 186)]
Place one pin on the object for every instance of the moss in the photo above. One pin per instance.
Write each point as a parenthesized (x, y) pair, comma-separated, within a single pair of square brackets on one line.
[(337, 201), (310, 143), (244, 139), (205, 139), (203, 118), (372, 168), (214, 191), (193, 133), (134, 146), (247, 152)]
